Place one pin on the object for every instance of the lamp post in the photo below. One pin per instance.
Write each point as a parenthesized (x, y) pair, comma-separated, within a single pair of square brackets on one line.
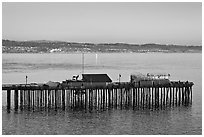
[(119, 78), (26, 79)]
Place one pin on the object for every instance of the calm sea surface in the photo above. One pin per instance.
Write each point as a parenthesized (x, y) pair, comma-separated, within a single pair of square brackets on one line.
[(41, 68)]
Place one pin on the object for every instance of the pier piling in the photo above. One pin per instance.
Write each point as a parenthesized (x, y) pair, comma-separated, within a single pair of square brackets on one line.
[(8, 100), (16, 100)]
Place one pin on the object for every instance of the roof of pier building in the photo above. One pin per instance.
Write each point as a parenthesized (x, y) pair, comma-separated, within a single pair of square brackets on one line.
[(52, 84), (96, 78)]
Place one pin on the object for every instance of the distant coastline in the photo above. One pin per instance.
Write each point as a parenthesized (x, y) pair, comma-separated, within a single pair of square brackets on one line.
[(43, 46)]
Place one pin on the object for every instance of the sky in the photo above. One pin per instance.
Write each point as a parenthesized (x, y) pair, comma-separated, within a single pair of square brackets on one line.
[(117, 22)]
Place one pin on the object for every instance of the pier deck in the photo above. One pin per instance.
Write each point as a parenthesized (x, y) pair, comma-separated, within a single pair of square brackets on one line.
[(117, 95)]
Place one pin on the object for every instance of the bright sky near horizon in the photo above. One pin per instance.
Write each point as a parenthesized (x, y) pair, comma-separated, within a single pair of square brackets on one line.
[(162, 23)]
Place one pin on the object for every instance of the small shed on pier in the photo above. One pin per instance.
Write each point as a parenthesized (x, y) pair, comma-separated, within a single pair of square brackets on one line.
[(89, 80), (96, 79)]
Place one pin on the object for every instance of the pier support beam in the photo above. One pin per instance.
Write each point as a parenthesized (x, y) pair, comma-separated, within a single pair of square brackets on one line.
[(179, 96), (133, 98), (191, 94), (8, 100), (33, 99), (56, 97), (28, 99), (21, 99), (173, 96), (170, 97), (121, 98), (16, 100), (116, 98), (63, 99)]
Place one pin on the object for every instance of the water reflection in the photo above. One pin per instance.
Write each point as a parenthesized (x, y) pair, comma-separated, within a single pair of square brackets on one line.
[(113, 121), (58, 67)]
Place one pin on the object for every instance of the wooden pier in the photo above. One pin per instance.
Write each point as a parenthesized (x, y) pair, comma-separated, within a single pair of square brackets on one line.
[(120, 96)]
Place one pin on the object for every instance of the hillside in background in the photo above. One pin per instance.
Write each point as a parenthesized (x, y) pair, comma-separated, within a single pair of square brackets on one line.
[(43, 46)]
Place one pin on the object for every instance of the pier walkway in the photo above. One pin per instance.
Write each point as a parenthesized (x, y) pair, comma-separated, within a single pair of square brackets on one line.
[(114, 95)]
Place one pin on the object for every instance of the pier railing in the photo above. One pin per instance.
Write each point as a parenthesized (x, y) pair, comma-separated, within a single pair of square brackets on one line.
[(120, 95)]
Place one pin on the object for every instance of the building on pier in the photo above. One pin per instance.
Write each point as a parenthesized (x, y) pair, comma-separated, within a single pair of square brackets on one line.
[(150, 79), (96, 79), (89, 80)]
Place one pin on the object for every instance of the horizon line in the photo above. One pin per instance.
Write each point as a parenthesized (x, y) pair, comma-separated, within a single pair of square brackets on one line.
[(100, 42)]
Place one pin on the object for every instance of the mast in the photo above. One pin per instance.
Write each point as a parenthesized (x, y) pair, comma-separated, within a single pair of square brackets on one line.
[(82, 63)]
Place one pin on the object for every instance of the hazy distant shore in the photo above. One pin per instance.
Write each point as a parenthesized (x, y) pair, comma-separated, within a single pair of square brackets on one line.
[(43, 46)]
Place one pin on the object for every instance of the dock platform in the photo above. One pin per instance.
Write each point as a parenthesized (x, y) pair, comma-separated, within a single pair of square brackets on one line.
[(114, 95)]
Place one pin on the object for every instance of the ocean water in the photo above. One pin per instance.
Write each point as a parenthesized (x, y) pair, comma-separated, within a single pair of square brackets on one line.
[(41, 68)]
